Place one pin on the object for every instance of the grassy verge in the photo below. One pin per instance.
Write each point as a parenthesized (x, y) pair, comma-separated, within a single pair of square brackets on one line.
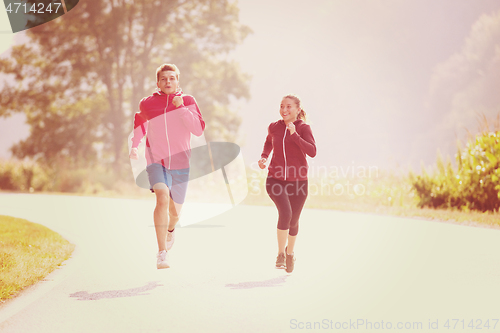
[(28, 253), (384, 194), (476, 219), (364, 190)]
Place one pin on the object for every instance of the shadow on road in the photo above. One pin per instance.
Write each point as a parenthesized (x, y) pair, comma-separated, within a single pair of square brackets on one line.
[(85, 296), (276, 282), (203, 226)]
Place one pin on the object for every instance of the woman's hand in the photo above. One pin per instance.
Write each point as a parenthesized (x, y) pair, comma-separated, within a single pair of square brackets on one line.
[(291, 128), (262, 163), (178, 101)]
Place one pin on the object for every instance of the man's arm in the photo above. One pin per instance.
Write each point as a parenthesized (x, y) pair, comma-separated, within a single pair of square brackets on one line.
[(140, 130), (192, 118)]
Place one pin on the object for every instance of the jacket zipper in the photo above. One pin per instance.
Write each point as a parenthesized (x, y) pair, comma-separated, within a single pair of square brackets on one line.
[(284, 154), (166, 132)]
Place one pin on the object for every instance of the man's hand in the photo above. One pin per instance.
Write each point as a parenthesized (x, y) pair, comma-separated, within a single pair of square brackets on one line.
[(262, 163), (133, 154), (178, 101)]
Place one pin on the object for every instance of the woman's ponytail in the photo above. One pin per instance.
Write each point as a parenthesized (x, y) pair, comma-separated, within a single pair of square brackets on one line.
[(302, 114)]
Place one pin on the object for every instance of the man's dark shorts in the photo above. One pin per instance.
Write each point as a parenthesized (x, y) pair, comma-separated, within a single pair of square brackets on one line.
[(176, 180)]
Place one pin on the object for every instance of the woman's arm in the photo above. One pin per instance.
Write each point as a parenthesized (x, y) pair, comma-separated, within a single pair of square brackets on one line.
[(305, 140), (268, 145)]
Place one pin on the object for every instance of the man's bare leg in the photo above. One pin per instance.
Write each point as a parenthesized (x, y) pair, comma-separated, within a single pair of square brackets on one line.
[(174, 211), (161, 214)]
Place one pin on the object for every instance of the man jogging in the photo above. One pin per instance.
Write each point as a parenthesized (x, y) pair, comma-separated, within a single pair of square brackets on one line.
[(167, 118)]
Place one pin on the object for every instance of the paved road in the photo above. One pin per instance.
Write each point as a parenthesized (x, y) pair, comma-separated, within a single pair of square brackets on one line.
[(353, 272)]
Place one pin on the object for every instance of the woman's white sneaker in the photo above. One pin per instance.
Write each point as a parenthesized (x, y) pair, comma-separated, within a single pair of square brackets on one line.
[(162, 260)]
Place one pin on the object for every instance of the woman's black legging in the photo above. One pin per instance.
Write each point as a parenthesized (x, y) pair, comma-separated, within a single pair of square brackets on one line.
[(289, 197)]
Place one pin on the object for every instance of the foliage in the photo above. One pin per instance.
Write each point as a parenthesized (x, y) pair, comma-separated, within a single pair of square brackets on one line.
[(80, 77), (68, 132), (17, 176), (343, 188), (30, 177), (475, 185)]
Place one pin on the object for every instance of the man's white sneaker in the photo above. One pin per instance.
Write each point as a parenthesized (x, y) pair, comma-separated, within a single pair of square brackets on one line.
[(162, 261), (170, 239)]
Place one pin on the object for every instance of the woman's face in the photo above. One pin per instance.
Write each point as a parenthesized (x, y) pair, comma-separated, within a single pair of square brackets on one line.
[(289, 110)]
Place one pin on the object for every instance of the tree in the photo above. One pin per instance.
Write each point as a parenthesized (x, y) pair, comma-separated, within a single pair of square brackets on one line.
[(466, 84), (80, 77)]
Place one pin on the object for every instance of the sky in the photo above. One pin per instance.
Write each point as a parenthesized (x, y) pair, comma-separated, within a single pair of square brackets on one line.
[(380, 80), (363, 70)]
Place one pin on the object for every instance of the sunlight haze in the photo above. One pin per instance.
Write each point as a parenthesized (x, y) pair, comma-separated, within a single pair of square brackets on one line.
[(385, 83)]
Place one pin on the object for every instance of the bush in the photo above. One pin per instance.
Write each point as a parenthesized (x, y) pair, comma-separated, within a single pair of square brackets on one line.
[(31, 177), (23, 176), (475, 185)]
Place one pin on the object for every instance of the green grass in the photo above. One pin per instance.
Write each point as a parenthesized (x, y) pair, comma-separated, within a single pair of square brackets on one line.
[(386, 194), (28, 253), (477, 219), (472, 218)]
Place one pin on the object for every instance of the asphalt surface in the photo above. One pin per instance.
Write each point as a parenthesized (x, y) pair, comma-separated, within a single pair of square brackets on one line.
[(354, 272)]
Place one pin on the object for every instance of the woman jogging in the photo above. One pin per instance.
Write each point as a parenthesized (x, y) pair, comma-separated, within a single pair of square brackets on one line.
[(290, 139)]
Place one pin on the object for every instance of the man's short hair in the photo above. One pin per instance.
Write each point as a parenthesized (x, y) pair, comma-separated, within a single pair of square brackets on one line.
[(167, 67)]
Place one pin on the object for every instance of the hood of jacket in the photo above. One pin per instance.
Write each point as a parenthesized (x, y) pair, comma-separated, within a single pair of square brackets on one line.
[(158, 92)]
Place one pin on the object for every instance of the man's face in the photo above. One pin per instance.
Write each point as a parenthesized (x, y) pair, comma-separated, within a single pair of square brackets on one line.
[(168, 82)]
